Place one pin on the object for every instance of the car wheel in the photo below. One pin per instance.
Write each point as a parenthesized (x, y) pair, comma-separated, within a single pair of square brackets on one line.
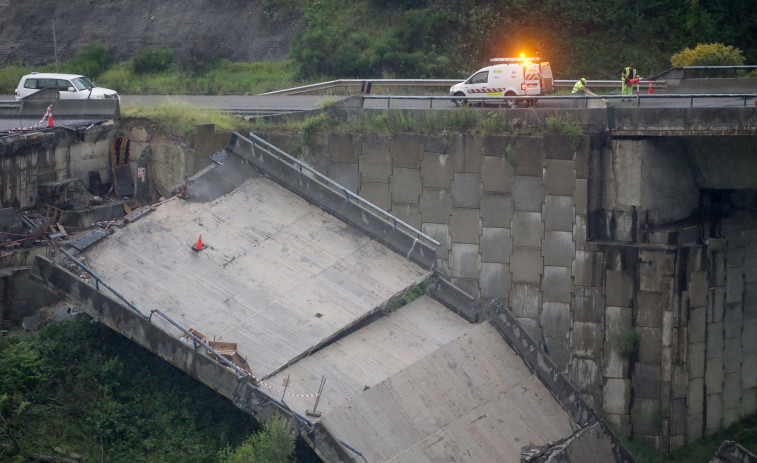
[(460, 101), (510, 103)]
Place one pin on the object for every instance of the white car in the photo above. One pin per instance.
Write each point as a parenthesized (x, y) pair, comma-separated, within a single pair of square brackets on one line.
[(70, 86)]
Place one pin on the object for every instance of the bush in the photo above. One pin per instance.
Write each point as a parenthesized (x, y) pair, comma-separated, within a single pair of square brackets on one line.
[(708, 54), (152, 60), (91, 62)]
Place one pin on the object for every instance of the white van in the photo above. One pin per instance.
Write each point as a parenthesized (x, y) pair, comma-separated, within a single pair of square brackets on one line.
[(69, 86), (509, 77)]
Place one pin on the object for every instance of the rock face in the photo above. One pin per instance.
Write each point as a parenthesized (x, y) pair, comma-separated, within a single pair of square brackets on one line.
[(234, 29)]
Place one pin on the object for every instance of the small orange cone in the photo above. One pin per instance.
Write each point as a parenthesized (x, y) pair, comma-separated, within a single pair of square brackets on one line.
[(651, 90), (50, 116), (198, 246)]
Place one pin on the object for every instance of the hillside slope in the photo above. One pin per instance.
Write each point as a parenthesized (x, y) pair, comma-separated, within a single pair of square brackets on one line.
[(234, 29)]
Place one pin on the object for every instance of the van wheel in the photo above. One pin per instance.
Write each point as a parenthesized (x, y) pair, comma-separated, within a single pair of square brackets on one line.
[(510, 103), (460, 101)]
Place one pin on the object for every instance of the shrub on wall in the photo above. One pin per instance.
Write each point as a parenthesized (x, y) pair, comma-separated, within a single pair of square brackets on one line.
[(152, 60), (708, 54)]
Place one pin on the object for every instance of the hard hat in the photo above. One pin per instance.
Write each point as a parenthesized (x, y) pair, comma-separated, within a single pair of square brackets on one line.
[(583, 80)]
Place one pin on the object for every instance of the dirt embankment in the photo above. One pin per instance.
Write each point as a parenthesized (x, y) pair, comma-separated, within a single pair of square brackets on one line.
[(234, 29)]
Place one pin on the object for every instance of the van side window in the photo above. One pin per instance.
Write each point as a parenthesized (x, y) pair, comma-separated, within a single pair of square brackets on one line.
[(480, 78), (31, 83)]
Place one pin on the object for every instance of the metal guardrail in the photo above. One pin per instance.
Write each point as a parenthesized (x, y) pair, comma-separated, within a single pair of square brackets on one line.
[(365, 85), (484, 100), (347, 193)]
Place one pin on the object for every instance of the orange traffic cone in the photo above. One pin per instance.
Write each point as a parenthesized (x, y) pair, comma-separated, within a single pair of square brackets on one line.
[(198, 246), (50, 116), (651, 90)]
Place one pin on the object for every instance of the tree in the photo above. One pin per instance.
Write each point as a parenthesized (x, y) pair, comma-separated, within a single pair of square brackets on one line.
[(708, 54), (272, 444)]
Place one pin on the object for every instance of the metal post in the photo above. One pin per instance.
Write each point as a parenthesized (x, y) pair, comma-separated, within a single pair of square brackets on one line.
[(313, 412), (55, 46), (286, 385)]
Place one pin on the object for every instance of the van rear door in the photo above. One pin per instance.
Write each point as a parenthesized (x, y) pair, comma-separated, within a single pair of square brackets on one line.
[(533, 79), (546, 78)]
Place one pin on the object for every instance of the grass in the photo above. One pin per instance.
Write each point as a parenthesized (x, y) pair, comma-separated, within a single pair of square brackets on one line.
[(181, 119)]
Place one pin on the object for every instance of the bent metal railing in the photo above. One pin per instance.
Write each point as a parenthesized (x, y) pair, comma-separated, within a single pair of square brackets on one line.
[(304, 421)]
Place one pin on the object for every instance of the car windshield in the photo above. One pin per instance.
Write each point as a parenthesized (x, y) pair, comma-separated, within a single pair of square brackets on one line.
[(82, 83)]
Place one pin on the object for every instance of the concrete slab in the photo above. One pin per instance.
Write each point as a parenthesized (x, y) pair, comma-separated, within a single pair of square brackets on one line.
[(405, 185), (278, 275)]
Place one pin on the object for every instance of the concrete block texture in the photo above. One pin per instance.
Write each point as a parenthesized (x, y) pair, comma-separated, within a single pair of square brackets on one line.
[(407, 151), (497, 210), (616, 365), (405, 185), (714, 415), (496, 245), (645, 416), (378, 194), (583, 155), (733, 320), (464, 260), (497, 174), (749, 336), (646, 380), (713, 375), (586, 340), (559, 248), (750, 300), (749, 371), (559, 213), (408, 213), (717, 304), (585, 374), (436, 170), (439, 232), (732, 356), (649, 309), (697, 359), (559, 146), (468, 285), (465, 226), (376, 142), (531, 327), (471, 150), (495, 280), (715, 340), (528, 194), (581, 196), (526, 300), (698, 289), (616, 396), (375, 165), (528, 229), (619, 288), (734, 284), (654, 268), (556, 320), (466, 190), (346, 175), (732, 391), (344, 147), (557, 284), (526, 265), (587, 268), (588, 304), (560, 177), (695, 396), (678, 417), (694, 427), (748, 401), (579, 232), (529, 156), (435, 205), (750, 265), (697, 324), (650, 344), (438, 145)]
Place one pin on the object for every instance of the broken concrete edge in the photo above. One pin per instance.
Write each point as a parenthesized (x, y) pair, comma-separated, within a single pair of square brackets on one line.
[(241, 391), (31, 108), (732, 452), (454, 299), (333, 202), (542, 366)]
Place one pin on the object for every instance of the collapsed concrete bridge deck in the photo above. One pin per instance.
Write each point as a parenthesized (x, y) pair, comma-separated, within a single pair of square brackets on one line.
[(295, 288)]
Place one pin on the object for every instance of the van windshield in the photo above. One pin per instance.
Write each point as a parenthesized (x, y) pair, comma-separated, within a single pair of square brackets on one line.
[(82, 83)]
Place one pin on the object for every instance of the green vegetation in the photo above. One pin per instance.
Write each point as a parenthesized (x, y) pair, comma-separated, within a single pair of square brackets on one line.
[(627, 343), (83, 388), (708, 54), (273, 444), (181, 119)]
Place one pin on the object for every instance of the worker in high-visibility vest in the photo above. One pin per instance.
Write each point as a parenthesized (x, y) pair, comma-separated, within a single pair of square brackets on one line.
[(626, 77), (579, 87)]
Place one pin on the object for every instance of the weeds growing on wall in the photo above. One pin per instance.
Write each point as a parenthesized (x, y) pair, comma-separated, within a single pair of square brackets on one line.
[(626, 343)]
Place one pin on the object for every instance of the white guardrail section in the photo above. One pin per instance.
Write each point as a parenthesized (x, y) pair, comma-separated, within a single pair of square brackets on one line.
[(367, 84)]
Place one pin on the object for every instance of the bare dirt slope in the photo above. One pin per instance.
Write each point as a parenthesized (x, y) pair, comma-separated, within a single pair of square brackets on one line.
[(234, 29)]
